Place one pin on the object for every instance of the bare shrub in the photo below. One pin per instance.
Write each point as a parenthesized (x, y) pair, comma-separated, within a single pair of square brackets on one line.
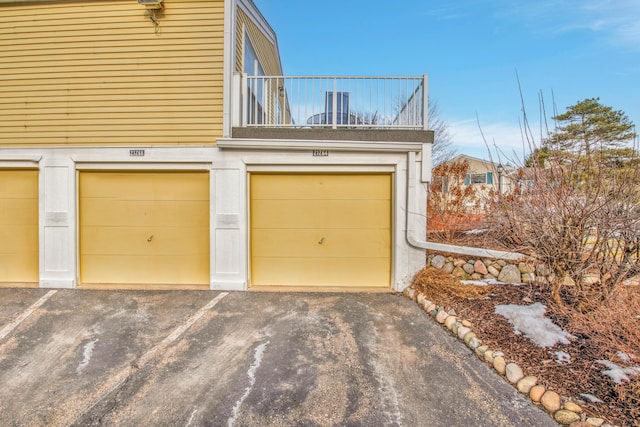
[(451, 205), (577, 210)]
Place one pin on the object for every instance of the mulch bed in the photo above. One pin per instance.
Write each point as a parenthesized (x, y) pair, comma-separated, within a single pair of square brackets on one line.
[(477, 304)]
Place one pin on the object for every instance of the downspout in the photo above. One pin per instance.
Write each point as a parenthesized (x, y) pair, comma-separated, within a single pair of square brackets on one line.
[(413, 238)]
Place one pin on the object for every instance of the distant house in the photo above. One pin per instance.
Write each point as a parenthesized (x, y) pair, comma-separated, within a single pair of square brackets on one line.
[(485, 175), (158, 144)]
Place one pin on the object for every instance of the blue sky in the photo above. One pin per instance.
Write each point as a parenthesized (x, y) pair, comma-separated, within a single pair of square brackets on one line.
[(471, 50)]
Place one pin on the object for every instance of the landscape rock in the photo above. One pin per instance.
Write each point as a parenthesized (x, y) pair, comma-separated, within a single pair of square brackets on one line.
[(565, 417), (488, 356), (632, 281), (480, 267), (573, 407), (449, 322), (536, 392), (595, 421), (501, 262), (458, 272), (476, 276), (590, 279), (459, 262), (527, 277), (481, 350), (499, 364), (550, 400), (438, 261), (525, 268), (514, 373), (468, 337), (430, 308), (542, 270), (455, 328), (473, 343), (509, 274), (441, 316), (462, 331), (410, 293), (526, 384), (580, 424), (493, 271), (567, 281), (468, 268), (448, 267)]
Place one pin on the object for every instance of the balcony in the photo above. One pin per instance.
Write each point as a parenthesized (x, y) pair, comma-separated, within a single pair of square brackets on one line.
[(381, 108)]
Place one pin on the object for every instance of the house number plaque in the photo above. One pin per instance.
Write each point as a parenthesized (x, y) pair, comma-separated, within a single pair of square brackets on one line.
[(136, 153), (320, 153)]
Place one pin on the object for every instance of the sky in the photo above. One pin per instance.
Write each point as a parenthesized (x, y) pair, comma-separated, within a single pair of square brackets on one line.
[(480, 56)]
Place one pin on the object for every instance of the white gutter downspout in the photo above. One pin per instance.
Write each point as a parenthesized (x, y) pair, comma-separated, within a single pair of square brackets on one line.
[(412, 235)]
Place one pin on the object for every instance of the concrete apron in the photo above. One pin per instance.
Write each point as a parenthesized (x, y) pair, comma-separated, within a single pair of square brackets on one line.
[(193, 358)]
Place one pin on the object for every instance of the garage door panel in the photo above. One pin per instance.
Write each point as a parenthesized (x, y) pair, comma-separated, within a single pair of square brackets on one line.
[(144, 228), (322, 213), (19, 243), (20, 211), (145, 186), (165, 270), (327, 187), (320, 230), (145, 212), (335, 243), (319, 272), (19, 239), (151, 241)]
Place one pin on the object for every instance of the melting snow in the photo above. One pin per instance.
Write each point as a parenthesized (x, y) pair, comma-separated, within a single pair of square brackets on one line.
[(482, 282), (87, 352), (591, 398), (562, 357), (530, 320), (617, 373)]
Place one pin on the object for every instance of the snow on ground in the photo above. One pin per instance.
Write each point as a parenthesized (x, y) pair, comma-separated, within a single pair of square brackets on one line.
[(591, 398), (530, 321), (617, 373), (562, 357), (482, 282)]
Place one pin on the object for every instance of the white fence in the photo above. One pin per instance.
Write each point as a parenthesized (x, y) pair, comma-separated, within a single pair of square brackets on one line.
[(334, 102)]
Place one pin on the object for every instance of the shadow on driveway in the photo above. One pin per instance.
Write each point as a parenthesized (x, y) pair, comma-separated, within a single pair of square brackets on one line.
[(193, 358)]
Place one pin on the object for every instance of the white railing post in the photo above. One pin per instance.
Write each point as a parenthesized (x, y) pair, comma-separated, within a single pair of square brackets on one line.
[(243, 98), (236, 101), (425, 102), (334, 102)]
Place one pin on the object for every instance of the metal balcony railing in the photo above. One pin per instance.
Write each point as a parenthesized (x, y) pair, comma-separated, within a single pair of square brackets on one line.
[(334, 102)]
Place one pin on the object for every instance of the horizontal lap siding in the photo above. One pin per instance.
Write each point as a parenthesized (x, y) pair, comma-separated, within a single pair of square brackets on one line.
[(95, 73)]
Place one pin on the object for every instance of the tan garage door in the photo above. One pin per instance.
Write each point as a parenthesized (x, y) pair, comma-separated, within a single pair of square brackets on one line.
[(19, 226), (320, 230), (147, 228)]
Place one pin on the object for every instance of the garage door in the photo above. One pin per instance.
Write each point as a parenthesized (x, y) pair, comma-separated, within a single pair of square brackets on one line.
[(19, 226), (320, 230), (147, 228)]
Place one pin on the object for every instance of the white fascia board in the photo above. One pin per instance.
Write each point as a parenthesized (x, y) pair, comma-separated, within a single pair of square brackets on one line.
[(297, 145)]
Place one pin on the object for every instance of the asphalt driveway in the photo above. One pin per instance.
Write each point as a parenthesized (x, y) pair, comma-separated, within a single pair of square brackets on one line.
[(246, 359)]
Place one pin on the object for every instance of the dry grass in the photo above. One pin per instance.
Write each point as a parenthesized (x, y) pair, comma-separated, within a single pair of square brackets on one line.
[(611, 329), (434, 283)]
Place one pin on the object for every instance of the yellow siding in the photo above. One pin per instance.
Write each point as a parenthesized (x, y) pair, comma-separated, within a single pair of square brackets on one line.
[(349, 214), (267, 52), (144, 228), (19, 226), (93, 72)]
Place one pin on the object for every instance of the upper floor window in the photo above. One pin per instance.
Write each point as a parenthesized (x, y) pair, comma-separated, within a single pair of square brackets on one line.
[(478, 178), (255, 92)]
